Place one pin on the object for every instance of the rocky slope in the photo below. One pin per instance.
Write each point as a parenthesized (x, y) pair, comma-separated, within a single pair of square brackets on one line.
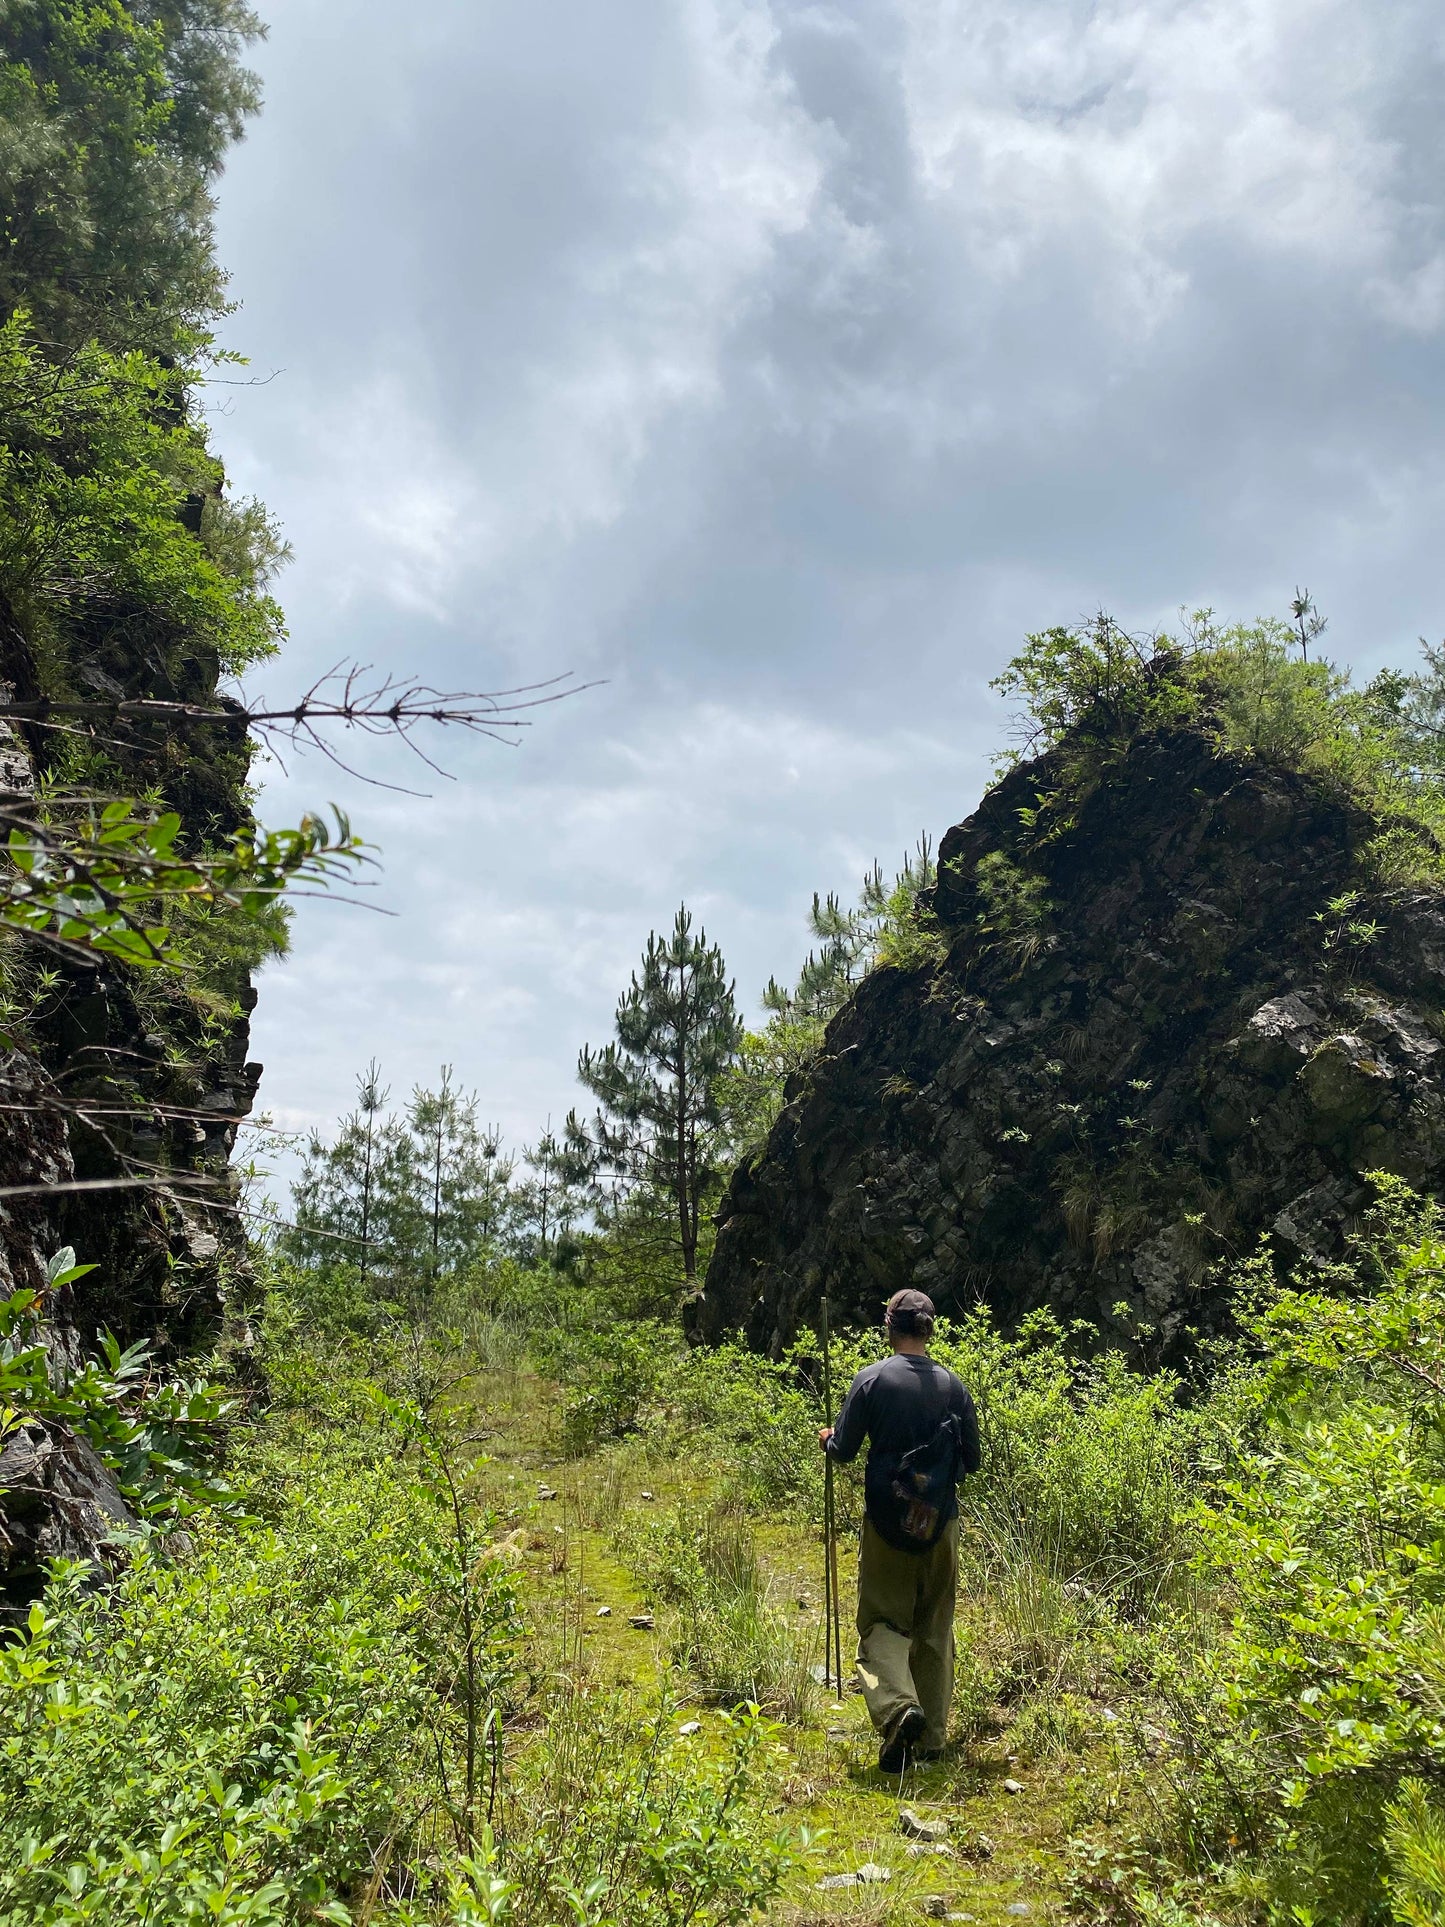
[(1095, 1110)]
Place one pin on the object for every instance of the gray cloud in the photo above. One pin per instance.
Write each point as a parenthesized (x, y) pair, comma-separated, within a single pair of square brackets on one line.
[(782, 363)]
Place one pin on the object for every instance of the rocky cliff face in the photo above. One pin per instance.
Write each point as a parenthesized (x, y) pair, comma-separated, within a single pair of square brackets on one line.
[(1095, 1111), (109, 1074)]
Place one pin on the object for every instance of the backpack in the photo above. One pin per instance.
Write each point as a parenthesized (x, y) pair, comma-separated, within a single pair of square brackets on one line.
[(915, 1503)]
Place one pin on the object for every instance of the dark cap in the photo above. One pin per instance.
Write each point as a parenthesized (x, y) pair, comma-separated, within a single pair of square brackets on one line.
[(907, 1310)]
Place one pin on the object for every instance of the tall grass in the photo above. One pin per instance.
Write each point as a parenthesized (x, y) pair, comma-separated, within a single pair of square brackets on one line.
[(727, 1634)]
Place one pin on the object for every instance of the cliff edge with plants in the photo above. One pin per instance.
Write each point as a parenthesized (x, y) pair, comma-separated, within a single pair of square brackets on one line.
[(1178, 987), (127, 571)]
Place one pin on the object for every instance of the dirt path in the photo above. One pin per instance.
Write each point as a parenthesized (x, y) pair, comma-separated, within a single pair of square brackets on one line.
[(1003, 1862)]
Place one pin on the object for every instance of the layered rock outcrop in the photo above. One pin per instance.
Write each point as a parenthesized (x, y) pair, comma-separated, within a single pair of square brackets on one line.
[(1213, 1032)]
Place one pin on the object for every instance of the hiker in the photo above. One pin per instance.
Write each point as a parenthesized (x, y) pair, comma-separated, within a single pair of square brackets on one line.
[(922, 1435)]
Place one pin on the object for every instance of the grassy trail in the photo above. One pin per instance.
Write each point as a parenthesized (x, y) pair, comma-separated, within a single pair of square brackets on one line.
[(1003, 1858)]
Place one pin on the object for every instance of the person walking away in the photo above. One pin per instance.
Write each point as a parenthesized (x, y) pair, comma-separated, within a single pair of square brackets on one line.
[(922, 1433)]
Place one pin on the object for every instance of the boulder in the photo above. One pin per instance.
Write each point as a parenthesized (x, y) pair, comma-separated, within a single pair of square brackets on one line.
[(1096, 1116)]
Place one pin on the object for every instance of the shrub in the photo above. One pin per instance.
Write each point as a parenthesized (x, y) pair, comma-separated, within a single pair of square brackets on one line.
[(612, 1377), (627, 1822), (160, 1435), (1311, 1729), (1084, 1463), (234, 1735)]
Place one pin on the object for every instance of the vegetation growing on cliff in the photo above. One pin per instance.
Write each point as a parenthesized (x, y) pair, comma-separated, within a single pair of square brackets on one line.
[(1087, 693)]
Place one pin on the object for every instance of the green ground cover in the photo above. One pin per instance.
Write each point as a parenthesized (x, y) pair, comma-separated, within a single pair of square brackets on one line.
[(390, 1672)]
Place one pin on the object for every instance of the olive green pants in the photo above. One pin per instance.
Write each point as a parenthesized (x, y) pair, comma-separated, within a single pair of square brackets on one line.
[(905, 1630)]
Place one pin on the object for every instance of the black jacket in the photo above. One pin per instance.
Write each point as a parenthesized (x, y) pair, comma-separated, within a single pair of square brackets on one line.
[(897, 1404)]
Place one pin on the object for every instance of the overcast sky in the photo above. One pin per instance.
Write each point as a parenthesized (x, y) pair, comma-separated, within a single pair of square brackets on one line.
[(782, 364)]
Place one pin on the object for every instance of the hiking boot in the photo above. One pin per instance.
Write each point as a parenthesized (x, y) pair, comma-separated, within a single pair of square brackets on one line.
[(900, 1740)]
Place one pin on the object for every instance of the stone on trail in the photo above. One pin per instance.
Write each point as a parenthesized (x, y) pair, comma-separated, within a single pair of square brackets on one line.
[(933, 1907), (920, 1848), (1012, 1786), (868, 1875), (913, 1827), (1018, 1907), (545, 1492)]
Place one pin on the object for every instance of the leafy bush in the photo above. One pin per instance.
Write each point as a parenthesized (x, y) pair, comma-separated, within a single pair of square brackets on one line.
[(612, 1377), (235, 1735), (96, 463), (1084, 1462), (1087, 692), (630, 1823), (159, 1435), (1326, 1694)]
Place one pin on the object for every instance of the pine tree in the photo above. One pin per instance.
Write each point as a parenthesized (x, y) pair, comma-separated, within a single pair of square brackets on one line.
[(371, 1098), (556, 1194), (658, 1125), (459, 1183), (889, 925), (343, 1202)]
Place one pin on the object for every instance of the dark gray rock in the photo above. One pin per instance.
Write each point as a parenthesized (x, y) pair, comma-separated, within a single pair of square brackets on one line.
[(58, 1500), (1097, 1121)]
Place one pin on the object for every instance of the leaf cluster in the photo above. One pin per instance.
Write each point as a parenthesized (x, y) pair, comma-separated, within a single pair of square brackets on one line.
[(114, 879), (160, 1433), (98, 464), (1086, 693), (113, 122)]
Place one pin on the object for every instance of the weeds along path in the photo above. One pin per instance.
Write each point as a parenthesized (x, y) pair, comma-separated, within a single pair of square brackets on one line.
[(606, 1546)]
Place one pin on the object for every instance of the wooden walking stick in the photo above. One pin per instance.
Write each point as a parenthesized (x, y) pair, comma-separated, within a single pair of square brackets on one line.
[(832, 1626)]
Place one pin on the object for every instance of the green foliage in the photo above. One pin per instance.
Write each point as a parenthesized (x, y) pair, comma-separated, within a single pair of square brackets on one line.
[(97, 461), (750, 1092), (630, 1824), (110, 879), (159, 1434), (1306, 1708), (543, 1208), (1096, 680), (402, 1202), (658, 1126), (614, 1376), (1086, 693), (233, 1735), (1332, 1534), (1415, 1842), (113, 121), (735, 1645), (1085, 1463), (1015, 913), (296, 1716), (891, 925)]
